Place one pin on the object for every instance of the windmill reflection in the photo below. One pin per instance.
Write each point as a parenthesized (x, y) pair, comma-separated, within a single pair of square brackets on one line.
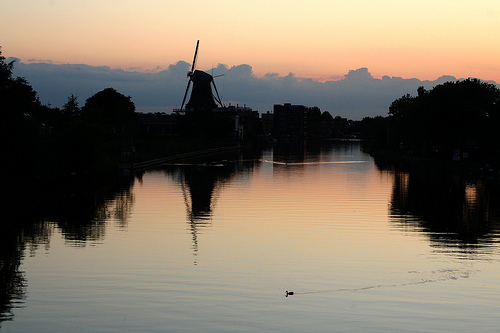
[(200, 187), (202, 182)]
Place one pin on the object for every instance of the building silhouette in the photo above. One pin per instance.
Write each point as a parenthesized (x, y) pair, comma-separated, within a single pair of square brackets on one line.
[(290, 120)]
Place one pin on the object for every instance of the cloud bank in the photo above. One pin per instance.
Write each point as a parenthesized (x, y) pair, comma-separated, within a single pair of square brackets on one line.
[(355, 96)]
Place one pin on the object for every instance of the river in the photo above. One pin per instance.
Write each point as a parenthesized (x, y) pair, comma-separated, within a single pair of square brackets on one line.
[(213, 245)]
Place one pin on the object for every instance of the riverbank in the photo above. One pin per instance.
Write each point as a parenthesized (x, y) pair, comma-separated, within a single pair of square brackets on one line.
[(462, 165), (158, 161)]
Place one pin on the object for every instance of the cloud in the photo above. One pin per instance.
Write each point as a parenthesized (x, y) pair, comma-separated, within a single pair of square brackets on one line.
[(358, 94), (358, 74)]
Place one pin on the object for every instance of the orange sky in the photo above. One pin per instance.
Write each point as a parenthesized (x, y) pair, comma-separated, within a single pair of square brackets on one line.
[(316, 38)]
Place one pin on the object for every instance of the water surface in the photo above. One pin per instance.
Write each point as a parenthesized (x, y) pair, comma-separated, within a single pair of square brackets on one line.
[(212, 245)]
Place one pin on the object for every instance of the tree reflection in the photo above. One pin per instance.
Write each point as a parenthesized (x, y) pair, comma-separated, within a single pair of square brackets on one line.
[(79, 209), (453, 208), (13, 283), (86, 220)]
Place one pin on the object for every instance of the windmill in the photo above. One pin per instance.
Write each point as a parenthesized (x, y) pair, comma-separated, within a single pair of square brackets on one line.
[(202, 96)]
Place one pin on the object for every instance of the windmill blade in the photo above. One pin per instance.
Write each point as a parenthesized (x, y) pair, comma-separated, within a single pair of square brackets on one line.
[(195, 54), (185, 94), (218, 97)]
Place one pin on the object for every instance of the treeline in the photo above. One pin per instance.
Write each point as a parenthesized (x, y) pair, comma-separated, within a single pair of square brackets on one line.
[(51, 141), (57, 165), (455, 120), (48, 143)]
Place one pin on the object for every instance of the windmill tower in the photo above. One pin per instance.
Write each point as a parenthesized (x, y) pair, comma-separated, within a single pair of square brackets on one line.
[(202, 96)]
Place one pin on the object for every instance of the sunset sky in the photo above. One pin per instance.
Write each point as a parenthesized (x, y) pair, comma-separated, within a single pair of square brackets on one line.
[(315, 39)]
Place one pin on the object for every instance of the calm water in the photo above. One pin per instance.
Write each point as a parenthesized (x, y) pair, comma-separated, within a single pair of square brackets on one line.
[(212, 247)]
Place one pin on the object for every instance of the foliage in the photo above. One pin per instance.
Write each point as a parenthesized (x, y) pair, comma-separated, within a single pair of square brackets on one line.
[(326, 117), (454, 116), (47, 142), (109, 108), (314, 114), (70, 108), (18, 103), (374, 133)]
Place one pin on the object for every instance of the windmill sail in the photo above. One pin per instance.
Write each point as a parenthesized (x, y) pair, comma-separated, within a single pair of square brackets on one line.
[(202, 96)]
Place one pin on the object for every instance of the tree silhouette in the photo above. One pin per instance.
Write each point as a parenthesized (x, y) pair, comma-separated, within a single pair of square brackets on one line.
[(326, 117), (70, 108), (111, 109), (462, 115), (18, 126)]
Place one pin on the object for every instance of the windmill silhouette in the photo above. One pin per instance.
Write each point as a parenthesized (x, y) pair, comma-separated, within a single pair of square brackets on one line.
[(202, 96)]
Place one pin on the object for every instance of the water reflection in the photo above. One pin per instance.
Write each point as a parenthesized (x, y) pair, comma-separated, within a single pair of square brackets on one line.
[(453, 208), (457, 212), (77, 207), (295, 152), (12, 280), (82, 218), (202, 179)]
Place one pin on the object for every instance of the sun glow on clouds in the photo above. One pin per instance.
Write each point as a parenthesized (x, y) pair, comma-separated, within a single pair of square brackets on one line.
[(315, 38)]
